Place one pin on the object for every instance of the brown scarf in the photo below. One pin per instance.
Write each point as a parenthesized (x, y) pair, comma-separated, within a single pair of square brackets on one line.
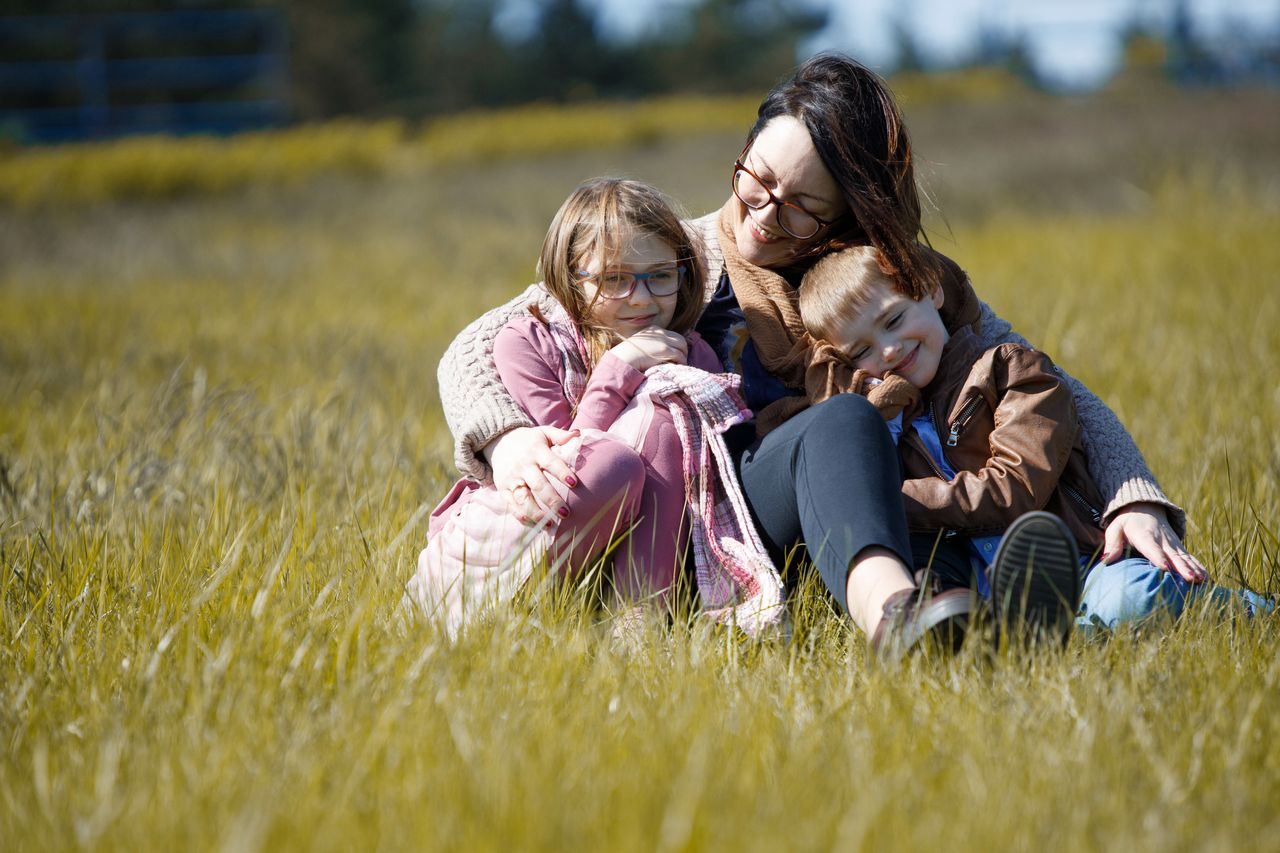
[(771, 307)]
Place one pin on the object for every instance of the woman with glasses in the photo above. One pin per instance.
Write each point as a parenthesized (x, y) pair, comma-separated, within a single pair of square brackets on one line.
[(827, 164)]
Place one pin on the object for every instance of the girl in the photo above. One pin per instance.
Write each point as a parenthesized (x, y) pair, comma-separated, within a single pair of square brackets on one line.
[(627, 282)]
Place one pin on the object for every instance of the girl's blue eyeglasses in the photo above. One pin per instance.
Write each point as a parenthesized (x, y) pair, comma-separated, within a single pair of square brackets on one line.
[(619, 284)]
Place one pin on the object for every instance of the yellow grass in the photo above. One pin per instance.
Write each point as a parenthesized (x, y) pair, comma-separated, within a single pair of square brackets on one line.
[(219, 434)]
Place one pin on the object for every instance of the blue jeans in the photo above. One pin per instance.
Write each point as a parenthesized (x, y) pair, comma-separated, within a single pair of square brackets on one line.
[(1132, 590)]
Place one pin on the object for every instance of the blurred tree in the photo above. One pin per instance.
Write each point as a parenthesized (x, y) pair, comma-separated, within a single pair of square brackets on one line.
[(733, 45), (460, 61), (568, 58), (1188, 60), (348, 56), (907, 55)]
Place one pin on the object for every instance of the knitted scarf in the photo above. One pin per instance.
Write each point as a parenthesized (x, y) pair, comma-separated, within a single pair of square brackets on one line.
[(737, 582), (771, 307)]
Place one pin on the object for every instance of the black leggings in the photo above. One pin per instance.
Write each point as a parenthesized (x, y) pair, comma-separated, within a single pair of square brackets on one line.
[(829, 479)]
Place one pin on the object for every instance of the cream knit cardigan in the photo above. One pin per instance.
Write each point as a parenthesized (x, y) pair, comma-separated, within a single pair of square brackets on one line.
[(479, 409)]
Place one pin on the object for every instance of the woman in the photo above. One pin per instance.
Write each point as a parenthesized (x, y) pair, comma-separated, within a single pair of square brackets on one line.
[(827, 164)]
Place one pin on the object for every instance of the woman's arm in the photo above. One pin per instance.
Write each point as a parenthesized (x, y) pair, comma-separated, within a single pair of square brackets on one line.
[(477, 407), (1137, 513), (1115, 462)]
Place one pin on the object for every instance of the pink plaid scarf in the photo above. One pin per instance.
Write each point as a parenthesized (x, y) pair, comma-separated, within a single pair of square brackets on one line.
[(737, 582)]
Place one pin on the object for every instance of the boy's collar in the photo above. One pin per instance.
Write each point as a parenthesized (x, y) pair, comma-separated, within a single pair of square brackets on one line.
[(962, 349)]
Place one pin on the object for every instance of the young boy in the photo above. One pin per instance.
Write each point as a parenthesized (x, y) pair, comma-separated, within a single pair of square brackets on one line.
[(993, 466)]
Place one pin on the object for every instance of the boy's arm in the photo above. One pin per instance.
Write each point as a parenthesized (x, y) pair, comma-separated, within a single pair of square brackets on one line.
[(1035, 428), (1115, 462)]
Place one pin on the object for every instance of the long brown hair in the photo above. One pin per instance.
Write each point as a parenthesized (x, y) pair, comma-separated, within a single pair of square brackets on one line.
[(858, 131), (590, 225)]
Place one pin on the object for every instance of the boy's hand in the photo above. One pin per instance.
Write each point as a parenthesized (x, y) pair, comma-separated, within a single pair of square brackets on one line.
[(654, 345), (1145, 528)]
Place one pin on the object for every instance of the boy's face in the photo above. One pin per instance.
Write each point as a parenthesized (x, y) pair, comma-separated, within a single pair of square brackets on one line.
[(895, 334)]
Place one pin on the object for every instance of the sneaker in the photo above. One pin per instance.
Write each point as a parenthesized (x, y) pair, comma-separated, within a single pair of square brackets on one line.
[(1035, 579), (912, 623)]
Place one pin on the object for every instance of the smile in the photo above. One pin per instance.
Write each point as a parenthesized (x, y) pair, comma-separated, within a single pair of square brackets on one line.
[(905, 365), (760, 233)]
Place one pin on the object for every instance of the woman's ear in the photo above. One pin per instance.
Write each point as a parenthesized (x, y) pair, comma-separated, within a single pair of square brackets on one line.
[(938, 297)]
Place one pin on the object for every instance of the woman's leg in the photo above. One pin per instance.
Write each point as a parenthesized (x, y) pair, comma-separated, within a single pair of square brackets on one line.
[(829, 478), (1132, 590), (611, 478)]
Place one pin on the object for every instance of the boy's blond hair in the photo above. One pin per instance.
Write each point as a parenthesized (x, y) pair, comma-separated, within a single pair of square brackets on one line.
[(839, 286)]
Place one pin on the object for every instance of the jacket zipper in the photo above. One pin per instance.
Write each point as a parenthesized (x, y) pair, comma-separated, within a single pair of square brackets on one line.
[(1084, 504), (928, 457), (953, 435)]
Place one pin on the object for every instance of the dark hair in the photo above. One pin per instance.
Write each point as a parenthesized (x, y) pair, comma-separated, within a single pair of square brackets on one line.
[(859, 133)]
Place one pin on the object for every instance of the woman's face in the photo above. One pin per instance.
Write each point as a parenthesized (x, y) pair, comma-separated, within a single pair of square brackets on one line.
[(783, 157)]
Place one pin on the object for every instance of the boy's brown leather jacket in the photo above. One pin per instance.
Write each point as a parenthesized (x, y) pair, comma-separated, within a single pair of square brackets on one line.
[(1008, 427)]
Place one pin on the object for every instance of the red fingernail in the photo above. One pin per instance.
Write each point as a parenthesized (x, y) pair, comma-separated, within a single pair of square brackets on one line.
[(571, 481), (563, 511)]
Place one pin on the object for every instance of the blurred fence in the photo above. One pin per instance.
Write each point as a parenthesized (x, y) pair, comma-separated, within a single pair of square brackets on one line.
[(72, 77)]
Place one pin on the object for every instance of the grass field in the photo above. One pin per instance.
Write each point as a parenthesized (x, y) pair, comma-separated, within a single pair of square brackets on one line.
[(219, 435)]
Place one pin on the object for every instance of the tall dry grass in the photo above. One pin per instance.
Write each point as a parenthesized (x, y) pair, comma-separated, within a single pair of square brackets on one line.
[(219, 434)]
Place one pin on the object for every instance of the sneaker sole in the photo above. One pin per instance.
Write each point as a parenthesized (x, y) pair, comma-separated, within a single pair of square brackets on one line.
[(1035, 582)]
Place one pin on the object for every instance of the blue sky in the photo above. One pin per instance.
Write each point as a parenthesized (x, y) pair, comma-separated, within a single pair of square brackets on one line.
[(1074, 42)]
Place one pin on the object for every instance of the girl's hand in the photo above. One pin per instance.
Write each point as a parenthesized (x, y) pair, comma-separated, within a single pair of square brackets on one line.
[(524, 468), (654, 345), (1145, 528)]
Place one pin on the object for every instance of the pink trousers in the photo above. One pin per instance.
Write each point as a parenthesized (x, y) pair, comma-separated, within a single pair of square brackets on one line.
[(619, 489)]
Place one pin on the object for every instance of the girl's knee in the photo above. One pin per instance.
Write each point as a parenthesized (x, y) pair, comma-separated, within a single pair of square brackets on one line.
[(610, 475)]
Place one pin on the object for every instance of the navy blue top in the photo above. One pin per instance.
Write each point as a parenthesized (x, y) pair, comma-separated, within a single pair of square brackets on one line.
[(724, 327)]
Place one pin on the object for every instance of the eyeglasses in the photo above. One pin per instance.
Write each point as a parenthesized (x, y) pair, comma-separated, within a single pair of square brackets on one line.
[(619, 284), (792, 218)]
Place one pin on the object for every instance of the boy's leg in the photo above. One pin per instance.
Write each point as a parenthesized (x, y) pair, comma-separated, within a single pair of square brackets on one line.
[(1133, 590), (945, 562)]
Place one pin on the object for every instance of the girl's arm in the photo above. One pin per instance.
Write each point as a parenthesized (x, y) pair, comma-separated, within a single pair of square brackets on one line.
[(702, 356), (528, 362), (1035, 429), (1115, 463)]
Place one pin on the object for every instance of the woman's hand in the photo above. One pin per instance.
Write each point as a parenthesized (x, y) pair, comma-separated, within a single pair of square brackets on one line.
[(1145, 528), (524, 469), (654, 345)]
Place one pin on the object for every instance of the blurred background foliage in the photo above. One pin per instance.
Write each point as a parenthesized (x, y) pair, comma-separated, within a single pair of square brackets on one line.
[(416, 58)]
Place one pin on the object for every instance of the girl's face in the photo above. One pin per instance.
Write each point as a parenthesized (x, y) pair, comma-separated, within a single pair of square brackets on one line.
[(641, 253), (784, 159)]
